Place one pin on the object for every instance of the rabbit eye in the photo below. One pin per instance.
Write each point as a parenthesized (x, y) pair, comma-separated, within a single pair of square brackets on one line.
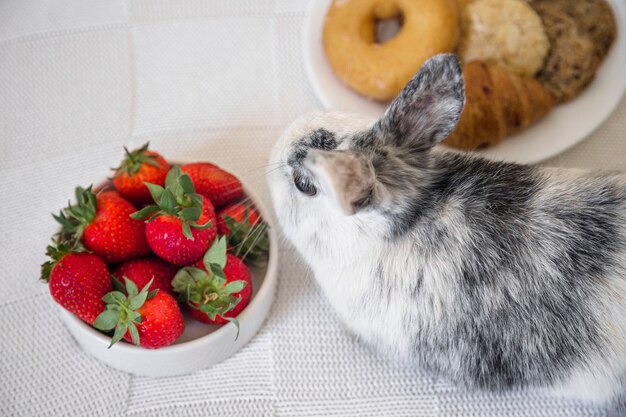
[(304, 185)]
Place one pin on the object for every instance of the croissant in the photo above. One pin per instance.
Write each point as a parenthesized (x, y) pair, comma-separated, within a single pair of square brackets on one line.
[(498, 103)]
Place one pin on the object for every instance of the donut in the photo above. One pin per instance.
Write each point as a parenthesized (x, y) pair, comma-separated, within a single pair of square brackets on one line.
[(380, 70), (508, 33)]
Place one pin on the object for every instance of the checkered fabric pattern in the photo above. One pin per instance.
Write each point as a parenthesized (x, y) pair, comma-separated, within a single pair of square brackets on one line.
[(201, 79)]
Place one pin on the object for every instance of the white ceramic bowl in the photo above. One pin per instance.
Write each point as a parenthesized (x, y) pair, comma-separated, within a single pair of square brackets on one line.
[(201, 345)]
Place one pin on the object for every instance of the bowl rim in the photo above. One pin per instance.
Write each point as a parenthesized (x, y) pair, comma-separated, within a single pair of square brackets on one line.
[(270, 276)]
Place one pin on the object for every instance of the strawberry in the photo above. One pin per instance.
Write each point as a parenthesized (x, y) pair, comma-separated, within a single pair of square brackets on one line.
[(218, 185), (149, 319), (103, 223), (77, 280), (141, 271), (244, 229), (138, 166), (217, 288), (181, 225)]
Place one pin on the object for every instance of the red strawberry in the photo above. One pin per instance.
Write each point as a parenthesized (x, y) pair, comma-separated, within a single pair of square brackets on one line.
[(217, 288), (138, 166), (209, 211), (166, 238), (244, 229), (148, 319), (178, 229), (103, 223), (77, 280), (219, 186), (141, 271)]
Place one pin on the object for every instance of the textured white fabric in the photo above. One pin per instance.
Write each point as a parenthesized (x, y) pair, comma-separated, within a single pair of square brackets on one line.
[(214, 80)]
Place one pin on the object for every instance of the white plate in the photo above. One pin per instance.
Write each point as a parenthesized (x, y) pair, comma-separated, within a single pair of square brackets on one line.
[(565, 126), (201, 345)]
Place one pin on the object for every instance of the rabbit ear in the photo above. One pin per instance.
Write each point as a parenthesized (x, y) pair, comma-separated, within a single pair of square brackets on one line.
[(346, 177), (428, 108)]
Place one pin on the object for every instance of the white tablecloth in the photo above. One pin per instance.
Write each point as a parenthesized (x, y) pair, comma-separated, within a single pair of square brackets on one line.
[(201, 79)]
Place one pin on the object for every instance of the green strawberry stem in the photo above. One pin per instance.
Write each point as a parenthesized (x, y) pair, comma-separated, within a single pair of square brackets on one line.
[(133, 160), (74, 218), (56, 251), (208, 291), (121, 311), (250, 239), (178, 198)]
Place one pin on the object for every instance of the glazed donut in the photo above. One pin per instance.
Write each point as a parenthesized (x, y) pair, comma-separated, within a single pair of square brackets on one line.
[(380, 70)]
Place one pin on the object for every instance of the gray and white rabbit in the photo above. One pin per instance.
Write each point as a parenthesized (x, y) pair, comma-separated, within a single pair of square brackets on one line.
[(493, 274)]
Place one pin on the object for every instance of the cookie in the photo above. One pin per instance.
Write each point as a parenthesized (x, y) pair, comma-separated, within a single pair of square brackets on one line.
[(594, 19), (503, 32), (572, 62)]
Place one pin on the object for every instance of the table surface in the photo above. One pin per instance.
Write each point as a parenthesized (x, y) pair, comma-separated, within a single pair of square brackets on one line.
[(199, 79)]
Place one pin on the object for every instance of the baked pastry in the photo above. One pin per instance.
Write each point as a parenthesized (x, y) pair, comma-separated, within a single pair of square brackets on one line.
[(462, 3), (581, 34), (571, 63), (504, 32), (498, 103), (594, 19), (380, 70)]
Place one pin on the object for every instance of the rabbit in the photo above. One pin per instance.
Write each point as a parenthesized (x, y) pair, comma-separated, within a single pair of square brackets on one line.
[(494, 275)]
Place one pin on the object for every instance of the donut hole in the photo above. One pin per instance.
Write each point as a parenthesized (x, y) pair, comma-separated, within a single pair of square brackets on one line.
[(388, 21)]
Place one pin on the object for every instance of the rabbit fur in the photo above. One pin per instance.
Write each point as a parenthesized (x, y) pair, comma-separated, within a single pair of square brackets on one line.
[(495, 275)]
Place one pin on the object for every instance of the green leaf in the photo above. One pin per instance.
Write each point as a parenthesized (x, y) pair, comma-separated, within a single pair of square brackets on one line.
[(147, 286), (191, 214), (232, 303), (179, 194), (145, 212), (107, 320), (232, 224), (199, 275), (151, 160), (186, 184), (167, 201), (183, 296), (209, 310), (135, 316), (155, 191), (138, 300), (131, 288), (114, 297), (219, 281), (234, 321), (216, 254), (187, 231), (234, 287), (120, 331), (152, 293), (171, 180), (134, 334), (117, 285), (201, 226), (114, 307), (217, 271), (196, 200), (181, 280), (246, 215), (46, 270)]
